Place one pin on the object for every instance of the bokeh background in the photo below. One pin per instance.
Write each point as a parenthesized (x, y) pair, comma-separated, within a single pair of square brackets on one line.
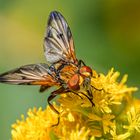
[(106, 34)]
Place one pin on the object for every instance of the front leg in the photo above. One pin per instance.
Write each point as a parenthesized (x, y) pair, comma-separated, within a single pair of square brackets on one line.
[(89, 98), (80, 62), (53, 95)]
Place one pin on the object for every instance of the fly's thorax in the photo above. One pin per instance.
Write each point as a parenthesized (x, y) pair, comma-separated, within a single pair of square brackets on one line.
[(67, 72)]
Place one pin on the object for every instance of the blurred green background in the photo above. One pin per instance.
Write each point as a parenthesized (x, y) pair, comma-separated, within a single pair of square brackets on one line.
[(106, 34)]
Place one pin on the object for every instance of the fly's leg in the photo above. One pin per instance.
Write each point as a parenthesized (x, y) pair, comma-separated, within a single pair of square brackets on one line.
[(76, 94), (90, 99), (51, 97), (43, 88), (61, 67), (90, 95), (80, 62), (97, 88)]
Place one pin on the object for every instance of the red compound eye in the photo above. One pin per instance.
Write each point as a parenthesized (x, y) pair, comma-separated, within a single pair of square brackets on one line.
[(73, 83), (86, 71)]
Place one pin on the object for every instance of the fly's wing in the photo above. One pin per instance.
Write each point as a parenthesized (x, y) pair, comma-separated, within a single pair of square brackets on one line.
[(58, 42), (34, 74)]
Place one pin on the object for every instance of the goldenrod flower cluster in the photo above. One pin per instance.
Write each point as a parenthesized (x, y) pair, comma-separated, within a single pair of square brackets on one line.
[(115, 116)]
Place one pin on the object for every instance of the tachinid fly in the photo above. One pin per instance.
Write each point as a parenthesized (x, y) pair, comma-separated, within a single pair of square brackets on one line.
[(63, 71)]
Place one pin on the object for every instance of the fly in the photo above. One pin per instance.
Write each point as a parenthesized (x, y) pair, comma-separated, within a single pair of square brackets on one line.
[(63, 70)]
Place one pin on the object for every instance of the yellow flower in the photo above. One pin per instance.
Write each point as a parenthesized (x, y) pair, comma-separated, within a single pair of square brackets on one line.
[(36, 126), (115, 116), (133, 116), (77, 134)]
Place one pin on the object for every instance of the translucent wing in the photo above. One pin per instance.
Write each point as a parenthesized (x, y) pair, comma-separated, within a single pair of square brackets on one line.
[(58, 42), (34, 74)]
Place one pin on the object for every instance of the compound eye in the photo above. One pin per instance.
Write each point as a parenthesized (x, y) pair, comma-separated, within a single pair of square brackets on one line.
[(73, 83), (85, 71)]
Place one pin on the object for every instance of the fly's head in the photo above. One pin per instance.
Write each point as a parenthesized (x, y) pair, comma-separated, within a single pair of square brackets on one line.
[(85, 71), (85, 74)]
